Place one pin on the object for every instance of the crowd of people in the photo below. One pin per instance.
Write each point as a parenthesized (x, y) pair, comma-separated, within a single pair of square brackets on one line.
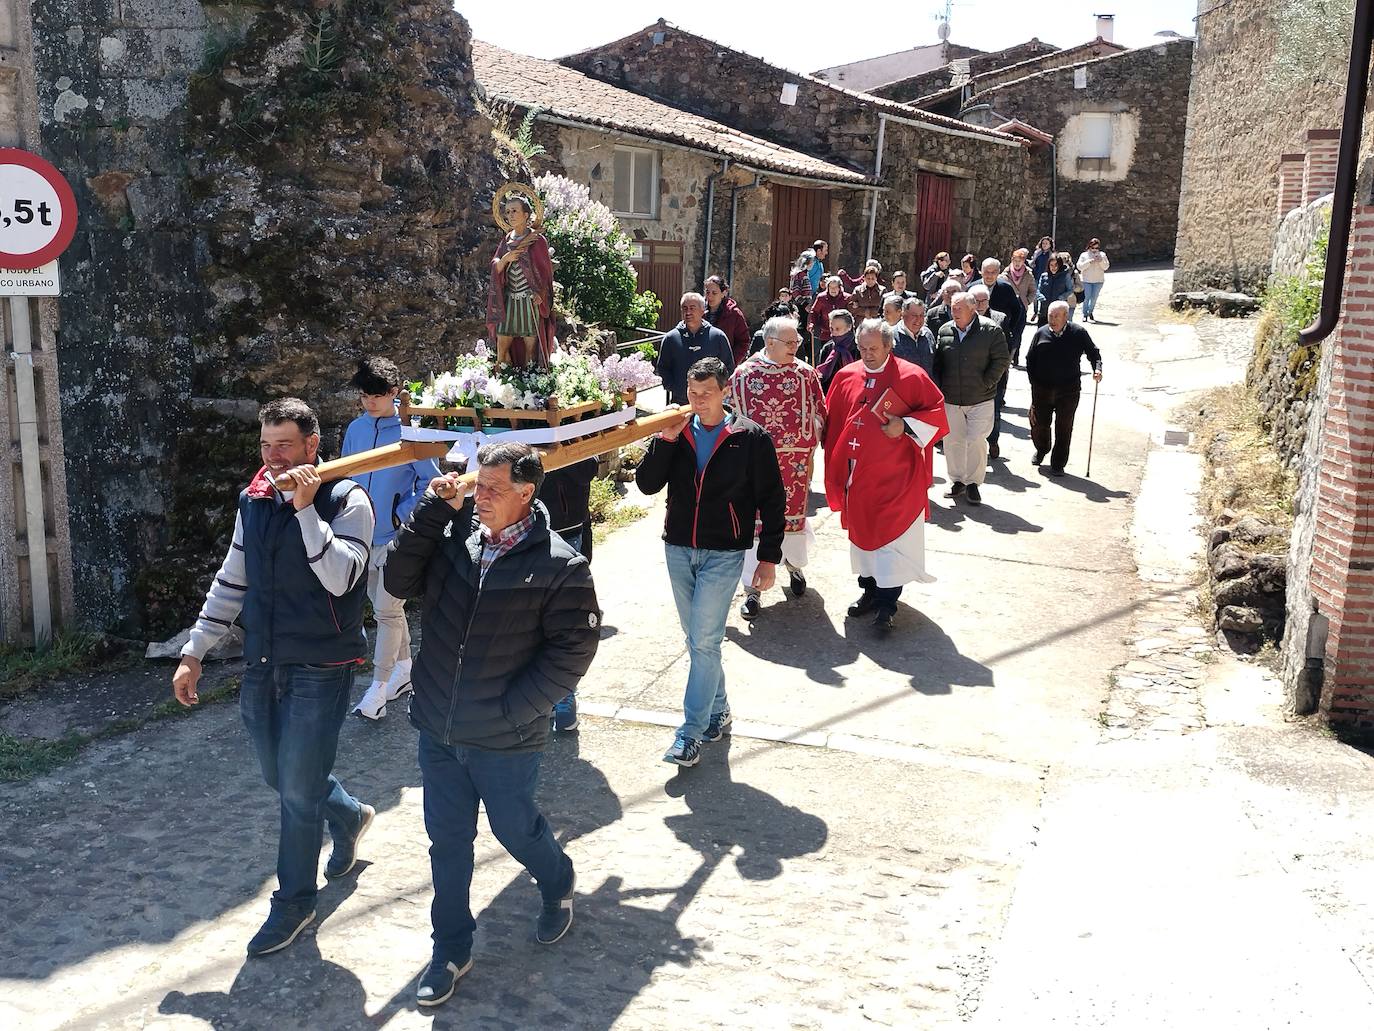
[(871, 372)]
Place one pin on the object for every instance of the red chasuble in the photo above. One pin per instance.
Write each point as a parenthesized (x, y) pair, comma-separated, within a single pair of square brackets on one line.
[(890, 479)]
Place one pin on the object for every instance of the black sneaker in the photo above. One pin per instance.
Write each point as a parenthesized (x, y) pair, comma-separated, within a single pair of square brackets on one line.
[(1038, 459), (974, 498), (994, 452), (866, 603), (555, 917), (438, 983), (281, 929), (686, 751), (955, 490), (720, 723), (884, 619), (798, 583), (565, 715), (345, 854), (749, 611), (1056, 470)]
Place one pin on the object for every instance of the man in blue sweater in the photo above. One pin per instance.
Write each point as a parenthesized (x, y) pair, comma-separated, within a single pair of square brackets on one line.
[(394, 493)]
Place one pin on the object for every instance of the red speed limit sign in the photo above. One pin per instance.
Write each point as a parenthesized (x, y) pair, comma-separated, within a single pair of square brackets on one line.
[(37, 210)]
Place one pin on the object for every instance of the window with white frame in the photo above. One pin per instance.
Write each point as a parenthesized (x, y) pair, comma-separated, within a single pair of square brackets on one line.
[(635, 193), (1096, 137)]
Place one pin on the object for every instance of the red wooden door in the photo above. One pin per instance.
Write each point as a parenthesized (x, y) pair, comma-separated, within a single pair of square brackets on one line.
[(800, 217), (658, 267), (934, 218)]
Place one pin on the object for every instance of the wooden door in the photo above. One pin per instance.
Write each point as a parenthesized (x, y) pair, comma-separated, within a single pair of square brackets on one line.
[(934, 219), (658, 267), (800, 217)]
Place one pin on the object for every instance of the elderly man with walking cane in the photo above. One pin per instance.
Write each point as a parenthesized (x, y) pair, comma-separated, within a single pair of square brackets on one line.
[(1054, 367)]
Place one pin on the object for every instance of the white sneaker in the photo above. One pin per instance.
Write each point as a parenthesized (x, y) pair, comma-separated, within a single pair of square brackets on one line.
[(372, 706), (399, 684)]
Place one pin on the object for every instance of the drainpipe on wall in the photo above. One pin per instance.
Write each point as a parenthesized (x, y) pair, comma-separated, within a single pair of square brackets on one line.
[(877, 171), (1054, 194), (710, 213), (735, 191), (1347, 168)]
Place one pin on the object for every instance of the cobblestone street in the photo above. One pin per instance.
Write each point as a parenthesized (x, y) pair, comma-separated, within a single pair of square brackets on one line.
[(902, 832)]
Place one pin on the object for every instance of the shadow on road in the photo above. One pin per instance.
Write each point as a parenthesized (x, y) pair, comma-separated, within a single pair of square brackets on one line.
[(1090, 489), (916, 644), (621, 935)]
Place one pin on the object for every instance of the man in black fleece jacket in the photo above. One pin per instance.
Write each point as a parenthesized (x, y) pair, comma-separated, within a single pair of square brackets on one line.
[(1054, 365), (510, 625), (721, 471)]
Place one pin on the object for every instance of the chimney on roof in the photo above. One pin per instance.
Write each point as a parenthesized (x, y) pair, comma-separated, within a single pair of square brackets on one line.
[(1106, 26)]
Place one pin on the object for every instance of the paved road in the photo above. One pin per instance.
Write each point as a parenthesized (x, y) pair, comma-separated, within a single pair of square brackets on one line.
[(926, 857)]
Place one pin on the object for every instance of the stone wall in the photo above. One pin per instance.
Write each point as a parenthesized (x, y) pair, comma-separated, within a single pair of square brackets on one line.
[(941, 78), (1295, 236), (1240, 120), (268, 192), (1129, 202), (997, 194)]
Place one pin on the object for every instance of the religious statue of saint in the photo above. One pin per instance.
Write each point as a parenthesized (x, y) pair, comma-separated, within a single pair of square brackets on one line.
[(520, 298)]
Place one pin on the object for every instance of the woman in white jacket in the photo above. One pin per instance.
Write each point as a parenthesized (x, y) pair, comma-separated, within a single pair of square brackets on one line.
[(1092, 266)]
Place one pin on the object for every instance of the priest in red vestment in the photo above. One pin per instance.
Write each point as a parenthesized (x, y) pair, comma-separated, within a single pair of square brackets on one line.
[(783, 395), (885, 415)]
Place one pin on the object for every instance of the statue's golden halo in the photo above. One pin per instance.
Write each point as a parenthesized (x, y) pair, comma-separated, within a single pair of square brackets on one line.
[(529, 193)]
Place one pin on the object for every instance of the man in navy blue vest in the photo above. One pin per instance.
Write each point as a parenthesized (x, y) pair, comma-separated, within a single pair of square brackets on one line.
[(296, 579)]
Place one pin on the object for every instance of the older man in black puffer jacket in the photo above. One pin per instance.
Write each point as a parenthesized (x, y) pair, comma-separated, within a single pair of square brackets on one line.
[(510, 625)]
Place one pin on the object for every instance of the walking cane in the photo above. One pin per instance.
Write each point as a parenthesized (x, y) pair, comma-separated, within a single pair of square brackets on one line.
[(1092, 426)]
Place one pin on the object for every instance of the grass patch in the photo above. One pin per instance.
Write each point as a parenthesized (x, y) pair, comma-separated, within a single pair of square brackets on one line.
[(23, 669), (1244, 471), (608, 510), (1185, 316), (23, 758)]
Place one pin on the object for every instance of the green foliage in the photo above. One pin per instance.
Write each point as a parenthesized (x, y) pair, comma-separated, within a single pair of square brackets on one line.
[(524, 137), (591, 254), (1313, 44), (607, 511), (594, 273), (649, 350), (1290, 305), (23, 668), (644, 311), (321, 54)]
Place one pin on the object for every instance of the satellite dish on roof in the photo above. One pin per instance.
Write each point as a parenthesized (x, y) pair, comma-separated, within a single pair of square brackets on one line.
[(943, 31)]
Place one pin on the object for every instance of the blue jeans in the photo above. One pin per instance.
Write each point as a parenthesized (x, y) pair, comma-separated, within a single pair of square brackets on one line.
[(704, 584), (293, 715), (455, 779), (1090, 292)]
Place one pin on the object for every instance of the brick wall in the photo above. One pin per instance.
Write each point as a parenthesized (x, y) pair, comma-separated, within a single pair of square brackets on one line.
[(1342, 574), (1133, 204), (1238, 125), (1291, 167), (1319, 167)]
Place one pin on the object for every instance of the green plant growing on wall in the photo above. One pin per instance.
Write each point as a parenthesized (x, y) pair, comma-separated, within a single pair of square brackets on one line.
[(1290, 305), (524, 137), (321, 43)]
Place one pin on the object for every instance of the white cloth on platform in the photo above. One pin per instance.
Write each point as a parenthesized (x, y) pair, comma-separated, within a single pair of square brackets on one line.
[(901, 562), (796, 548)]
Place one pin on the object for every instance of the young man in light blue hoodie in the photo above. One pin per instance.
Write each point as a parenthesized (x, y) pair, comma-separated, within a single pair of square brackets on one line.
[(394, 493)]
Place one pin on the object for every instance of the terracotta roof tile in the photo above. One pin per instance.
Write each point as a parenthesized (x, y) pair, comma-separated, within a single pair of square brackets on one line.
[(563, 92)]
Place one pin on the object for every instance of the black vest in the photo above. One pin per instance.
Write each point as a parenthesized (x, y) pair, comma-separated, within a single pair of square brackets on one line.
[(288, 617)]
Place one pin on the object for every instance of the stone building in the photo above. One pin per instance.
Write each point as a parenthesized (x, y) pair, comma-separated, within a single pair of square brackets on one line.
[(950, 185), (874, 71), (946, 90), (660, 169), (255, 213), (1118, 125), (1250, 103)]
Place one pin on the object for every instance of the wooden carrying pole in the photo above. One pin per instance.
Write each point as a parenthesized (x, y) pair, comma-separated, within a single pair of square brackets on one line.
[(555, 456)]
